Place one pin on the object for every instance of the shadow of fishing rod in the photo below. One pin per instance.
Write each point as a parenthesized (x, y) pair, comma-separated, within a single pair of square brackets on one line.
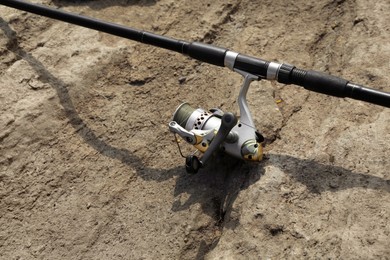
[(83, 130)]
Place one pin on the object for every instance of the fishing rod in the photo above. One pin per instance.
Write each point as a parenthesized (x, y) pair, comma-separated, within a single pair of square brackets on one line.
[(209, 131)]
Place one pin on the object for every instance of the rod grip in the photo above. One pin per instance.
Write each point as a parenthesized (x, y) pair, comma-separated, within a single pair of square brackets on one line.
[(325, 84), (331, 85), (338, 87)]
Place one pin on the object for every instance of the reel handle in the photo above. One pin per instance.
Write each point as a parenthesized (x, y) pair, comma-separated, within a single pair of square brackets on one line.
[(228, 121)]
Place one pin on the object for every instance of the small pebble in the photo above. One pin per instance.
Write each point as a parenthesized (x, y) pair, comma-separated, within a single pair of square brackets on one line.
[(182, 80)]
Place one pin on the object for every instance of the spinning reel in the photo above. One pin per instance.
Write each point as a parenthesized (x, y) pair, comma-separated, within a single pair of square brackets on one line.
[(210, 131)]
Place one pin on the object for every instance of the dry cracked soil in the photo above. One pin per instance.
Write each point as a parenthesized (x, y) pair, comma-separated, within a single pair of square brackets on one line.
[(89, 170)]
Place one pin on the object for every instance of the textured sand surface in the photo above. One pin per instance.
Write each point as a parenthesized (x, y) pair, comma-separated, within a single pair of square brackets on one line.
[(89, 170)]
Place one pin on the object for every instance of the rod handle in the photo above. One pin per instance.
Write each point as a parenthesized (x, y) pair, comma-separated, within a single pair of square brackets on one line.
[(331, 85)]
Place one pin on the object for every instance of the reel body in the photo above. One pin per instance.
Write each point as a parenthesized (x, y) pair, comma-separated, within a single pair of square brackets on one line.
[(213, 130)]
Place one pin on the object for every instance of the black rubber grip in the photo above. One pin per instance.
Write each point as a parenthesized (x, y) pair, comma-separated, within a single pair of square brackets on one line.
[(207, 53), (324, 83), (313, 80), (255, 66), (334, 86)]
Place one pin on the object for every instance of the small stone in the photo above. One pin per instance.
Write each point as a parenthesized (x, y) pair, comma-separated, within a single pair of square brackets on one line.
[(182, 80), (334, 184)]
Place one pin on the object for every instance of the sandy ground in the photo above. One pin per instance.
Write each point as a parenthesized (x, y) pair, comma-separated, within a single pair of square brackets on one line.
[(89, 170)]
